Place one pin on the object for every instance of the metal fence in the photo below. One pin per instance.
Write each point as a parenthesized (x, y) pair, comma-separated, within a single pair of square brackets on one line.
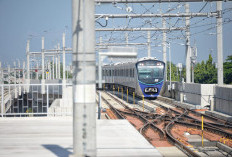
[(28, 100)]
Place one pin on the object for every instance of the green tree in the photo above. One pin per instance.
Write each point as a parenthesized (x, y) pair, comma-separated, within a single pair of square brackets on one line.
[(211, 71), (228, 70), (199, 72), (206, 72), (174, 71)]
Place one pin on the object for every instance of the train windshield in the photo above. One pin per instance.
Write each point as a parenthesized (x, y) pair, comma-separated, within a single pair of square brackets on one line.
[(150, 71)]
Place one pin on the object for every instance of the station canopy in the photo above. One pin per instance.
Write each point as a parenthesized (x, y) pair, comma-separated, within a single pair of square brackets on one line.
[(122, 54)]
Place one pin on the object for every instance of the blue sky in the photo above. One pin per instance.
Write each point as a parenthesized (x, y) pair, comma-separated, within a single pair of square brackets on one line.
[(21, 20)]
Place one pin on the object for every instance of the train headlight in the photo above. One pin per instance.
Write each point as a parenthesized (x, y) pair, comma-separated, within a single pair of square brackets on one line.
[(150, 90)]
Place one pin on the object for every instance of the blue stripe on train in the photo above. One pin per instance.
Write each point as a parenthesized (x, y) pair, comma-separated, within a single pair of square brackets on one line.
[(157, 85)]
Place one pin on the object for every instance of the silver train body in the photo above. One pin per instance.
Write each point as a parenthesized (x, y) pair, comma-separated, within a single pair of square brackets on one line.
[(144, 77)]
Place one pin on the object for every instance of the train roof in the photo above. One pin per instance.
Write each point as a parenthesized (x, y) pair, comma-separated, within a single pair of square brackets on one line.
[(147, 58), (138, 60)]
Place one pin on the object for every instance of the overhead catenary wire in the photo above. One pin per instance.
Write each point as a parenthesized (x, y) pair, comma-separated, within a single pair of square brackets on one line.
[(152, 22)]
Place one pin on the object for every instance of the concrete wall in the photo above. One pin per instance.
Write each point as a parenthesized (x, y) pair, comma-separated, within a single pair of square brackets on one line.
[(218, 97), (223, 99), (193, 93), (62, 107)]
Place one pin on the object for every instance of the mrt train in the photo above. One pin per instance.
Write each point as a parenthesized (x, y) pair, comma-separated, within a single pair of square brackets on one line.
[(144, 77)]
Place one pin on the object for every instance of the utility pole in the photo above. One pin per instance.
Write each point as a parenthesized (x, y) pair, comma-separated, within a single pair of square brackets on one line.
[(23, 77), (58, 61), (64, 77), (15, 80), (148, 44), (164, 48), (23, 71), (192, 63), (53, 67), (188, 48), (43, 80), (56, 67), (28, 66), (19, 78), (84, 79), (28, 59), (49, 69), (9, 80), (46, 74), (63, 41), (100, 67), (37, 70), (219, 44), (193, 59), (170, 67)]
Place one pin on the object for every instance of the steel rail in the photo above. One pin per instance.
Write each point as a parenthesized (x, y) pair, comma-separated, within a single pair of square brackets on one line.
[(174, 140), (218, 125), (140, 116), (196, 122), (118, 114)]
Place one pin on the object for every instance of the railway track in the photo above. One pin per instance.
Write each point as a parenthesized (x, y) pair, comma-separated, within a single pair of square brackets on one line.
[(210, 121), (160, 128)]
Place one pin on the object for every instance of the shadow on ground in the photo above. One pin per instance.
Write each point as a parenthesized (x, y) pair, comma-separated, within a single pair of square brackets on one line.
[(58, 150)]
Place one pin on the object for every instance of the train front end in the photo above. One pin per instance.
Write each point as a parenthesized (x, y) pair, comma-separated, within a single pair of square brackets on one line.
[(150, 77)]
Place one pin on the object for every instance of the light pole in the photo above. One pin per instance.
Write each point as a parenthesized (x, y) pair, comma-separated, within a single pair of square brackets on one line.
[(169, 48), (179, 66)]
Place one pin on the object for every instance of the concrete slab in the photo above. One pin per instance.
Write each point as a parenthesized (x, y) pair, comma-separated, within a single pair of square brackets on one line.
[(52, 136), (196, 141), (219, 115), (171, 152)]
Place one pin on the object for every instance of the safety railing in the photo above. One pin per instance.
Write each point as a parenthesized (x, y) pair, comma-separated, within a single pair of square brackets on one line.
[(23, 100)]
